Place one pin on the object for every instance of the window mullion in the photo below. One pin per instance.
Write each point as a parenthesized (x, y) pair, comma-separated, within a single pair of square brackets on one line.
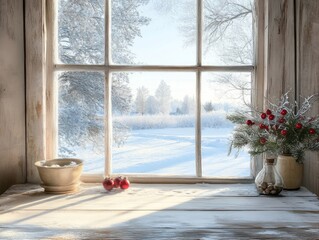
[(199, 34), (108, 124), (150, 68), (198, 130), (198, 90), (107, 33), (107, 93)]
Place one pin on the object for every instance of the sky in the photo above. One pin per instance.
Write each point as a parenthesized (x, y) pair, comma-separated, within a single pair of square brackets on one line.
[(163, 43)]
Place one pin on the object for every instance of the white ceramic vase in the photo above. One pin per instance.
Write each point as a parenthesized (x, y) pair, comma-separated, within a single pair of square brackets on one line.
[(290, 170)]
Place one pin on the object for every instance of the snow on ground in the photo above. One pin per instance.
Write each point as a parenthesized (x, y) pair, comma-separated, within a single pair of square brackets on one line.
[(172, 151)]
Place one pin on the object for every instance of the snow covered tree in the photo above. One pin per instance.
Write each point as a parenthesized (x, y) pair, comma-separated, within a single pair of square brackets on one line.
[(228, 27), (121, 94), (81, 41), (224, 16), (142, 94), (176, 106), (188, 105), (80, 114), (227, 32), (163, 96), (126, 26), (208, 107), (152, 105), (226, 20)]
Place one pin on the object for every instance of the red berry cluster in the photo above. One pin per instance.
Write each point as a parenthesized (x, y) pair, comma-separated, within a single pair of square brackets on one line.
[(271, 117), (276, 125), (118, 182), (283, 128), (249, 122)]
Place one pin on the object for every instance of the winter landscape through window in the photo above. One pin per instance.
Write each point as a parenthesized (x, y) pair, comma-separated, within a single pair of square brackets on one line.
[(144, 86)]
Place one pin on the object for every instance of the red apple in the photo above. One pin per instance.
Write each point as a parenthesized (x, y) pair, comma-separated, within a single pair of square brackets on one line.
[(284, 132), (117, 182), (125, 183), (268, 112), (108, 184)]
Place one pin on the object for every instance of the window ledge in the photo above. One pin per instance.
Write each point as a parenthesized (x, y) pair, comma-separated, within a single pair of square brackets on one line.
[(158, 211)]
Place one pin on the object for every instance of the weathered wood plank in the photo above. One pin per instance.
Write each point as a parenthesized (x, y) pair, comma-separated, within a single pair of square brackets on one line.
[(35, 85), (206, 198), (103, 202), (256, 163), (158, 212), (51, 83), (68, 220), (201, 190), (160, 233), (12, 95), (308, 74), (280, 49)]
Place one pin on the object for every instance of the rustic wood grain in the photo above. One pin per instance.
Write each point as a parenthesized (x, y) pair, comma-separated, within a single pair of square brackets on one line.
[(51, 83), (183, 233), (196, 211), (276, 59), (308, 74), (35, 85), (256, 163), (12, 95), (280, 49)]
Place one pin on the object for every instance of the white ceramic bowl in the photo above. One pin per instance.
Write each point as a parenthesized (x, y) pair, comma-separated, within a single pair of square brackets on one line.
[(59, 173)]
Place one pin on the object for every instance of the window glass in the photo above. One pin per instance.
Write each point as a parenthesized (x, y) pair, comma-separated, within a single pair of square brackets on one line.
[(81, 118), (227, 32), (222, 94), (154, 123), (152, 32), (81, 31), (153, 108)]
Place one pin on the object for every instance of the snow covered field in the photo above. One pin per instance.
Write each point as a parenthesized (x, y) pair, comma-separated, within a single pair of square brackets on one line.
[(172, 151)]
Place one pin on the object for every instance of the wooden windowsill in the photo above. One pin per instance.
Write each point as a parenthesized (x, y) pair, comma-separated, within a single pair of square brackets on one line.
[(158, 211)]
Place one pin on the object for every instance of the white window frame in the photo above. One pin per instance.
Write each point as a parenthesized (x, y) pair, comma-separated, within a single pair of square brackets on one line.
[(108, 68)]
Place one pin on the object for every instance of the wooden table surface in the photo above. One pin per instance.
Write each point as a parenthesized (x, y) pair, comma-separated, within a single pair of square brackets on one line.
[(154, 211)]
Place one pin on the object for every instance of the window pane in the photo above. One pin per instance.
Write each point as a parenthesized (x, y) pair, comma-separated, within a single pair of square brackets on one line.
[(153, 123), (81, 118), (228, 34), (81, 31), (223, 93), (154, 32)]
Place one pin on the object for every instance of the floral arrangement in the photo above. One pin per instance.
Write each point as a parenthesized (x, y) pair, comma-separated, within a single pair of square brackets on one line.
[(281, 129)]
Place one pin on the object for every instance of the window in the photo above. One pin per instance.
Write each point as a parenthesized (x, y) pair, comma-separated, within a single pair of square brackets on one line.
[(144, 86)]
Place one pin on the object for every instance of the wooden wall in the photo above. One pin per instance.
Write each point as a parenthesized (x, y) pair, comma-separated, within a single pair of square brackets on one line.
[(307, 16), (292, 60), (12, 94), (35, 85), (279, 74)]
